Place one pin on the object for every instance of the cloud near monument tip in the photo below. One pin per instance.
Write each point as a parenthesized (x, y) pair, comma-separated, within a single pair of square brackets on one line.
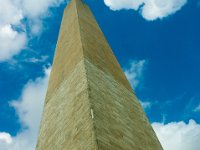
[(149, 9)]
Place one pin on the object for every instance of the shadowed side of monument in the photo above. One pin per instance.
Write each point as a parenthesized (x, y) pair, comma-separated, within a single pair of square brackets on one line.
[(89, 103)]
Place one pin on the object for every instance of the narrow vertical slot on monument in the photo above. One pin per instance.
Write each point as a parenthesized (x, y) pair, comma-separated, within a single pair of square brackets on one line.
[(92, 113)]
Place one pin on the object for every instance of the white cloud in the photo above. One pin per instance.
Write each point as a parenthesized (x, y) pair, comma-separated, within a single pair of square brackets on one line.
[(178, 135), (9, 13), (5, 140), (197, 109), (134, 73), (29, 110), (5, 137), (11, 43), (37, 60), (145, 104), (150, 9), (123, 4), (12, 12)]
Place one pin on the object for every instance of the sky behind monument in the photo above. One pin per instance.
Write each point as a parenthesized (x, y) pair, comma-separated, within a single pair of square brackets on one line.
[(157, 44)]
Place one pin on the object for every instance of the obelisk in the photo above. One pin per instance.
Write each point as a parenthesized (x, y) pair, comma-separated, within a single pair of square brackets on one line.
[(90, 105)]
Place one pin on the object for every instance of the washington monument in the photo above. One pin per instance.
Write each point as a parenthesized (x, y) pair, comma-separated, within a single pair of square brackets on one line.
[(90, 104)]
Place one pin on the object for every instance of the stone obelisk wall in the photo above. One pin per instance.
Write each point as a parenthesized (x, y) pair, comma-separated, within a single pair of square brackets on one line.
[(89, 103)]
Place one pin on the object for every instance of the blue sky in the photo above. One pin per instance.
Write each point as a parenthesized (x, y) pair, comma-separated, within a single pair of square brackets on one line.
[(157, 44)]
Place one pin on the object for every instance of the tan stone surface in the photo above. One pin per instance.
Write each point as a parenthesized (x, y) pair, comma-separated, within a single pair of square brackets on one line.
[(89, 103)]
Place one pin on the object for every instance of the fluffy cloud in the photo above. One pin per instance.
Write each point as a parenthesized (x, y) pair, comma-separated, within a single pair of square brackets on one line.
[(29, 110), (123, 4), (178, 135), (5, 140), (9, 13), (5, 137), (150, 9), (13, 30), (11, 42), (134, 73)]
